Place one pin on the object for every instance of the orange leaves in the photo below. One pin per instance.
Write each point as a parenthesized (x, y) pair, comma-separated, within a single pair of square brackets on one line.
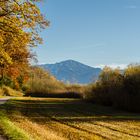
[(13, 72)]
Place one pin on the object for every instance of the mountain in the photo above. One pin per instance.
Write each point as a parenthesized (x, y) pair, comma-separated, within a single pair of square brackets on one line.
[(73, 72)]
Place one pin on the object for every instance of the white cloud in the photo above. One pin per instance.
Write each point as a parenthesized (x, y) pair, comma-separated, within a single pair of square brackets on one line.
[(121, 66)]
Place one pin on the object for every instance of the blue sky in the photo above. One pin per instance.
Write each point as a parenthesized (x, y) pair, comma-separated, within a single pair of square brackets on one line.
[(94, 32)]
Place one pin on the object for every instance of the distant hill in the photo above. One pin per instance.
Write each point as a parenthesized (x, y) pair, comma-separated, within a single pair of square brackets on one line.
[(73, 72)]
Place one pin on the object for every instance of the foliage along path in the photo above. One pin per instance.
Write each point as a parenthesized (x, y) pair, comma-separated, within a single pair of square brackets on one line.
[(71, 119)]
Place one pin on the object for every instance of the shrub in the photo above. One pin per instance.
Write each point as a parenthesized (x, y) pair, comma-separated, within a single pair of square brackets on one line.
[(114, 88), (7, 91)]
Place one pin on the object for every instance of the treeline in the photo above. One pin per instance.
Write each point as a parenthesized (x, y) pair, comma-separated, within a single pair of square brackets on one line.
[(42, 84), (115, 87), (20, 22), (120, 89)]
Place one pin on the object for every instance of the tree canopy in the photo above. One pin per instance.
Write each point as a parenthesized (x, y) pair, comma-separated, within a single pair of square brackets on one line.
[(20, 24)]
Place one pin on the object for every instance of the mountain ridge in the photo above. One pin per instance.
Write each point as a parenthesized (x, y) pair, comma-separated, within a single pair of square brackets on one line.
[(73, 71)]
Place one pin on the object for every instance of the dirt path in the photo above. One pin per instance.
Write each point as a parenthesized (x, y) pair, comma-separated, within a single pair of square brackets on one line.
[(3, 100)]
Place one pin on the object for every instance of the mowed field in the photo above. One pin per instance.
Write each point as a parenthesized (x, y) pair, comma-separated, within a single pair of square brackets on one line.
[(70, 119)]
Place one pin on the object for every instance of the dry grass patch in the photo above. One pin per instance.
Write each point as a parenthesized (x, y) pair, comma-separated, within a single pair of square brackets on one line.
[(71, 119)]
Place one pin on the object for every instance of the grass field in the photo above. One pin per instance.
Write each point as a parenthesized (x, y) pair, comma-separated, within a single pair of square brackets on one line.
[(66, 119)]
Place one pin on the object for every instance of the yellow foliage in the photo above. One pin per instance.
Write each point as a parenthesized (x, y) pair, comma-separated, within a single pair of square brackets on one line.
[(20, 22)]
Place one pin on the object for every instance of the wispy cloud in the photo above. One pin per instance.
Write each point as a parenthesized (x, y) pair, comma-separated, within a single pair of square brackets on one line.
[(131, 7)]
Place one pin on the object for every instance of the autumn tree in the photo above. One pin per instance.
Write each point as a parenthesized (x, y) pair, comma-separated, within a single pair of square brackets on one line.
[(110, 76), (132, 79), (20, 24)]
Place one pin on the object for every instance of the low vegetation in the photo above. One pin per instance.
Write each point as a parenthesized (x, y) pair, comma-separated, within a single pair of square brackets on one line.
[(7, 91), (10, 130), (63, 119)]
